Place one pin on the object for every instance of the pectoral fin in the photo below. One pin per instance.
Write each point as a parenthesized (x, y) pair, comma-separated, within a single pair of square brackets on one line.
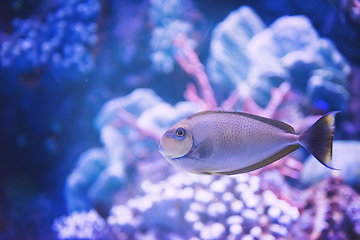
[(204, 150), (263, 163)]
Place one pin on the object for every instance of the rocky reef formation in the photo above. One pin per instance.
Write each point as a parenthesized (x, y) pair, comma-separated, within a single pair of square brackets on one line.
[(246, 55)]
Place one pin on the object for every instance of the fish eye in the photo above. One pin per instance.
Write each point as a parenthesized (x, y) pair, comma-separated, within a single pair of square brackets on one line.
[(180, 132)]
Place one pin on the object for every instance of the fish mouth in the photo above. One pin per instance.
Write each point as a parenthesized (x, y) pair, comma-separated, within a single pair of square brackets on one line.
[(166, 156), (170, 156)]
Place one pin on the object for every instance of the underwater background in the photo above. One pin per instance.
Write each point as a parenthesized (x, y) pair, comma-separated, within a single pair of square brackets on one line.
[(87, 88)]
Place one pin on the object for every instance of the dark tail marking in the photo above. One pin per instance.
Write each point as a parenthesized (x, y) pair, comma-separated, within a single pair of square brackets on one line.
[(318, 139)]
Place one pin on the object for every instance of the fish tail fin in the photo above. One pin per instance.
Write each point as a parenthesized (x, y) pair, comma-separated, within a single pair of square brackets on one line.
[(318, 139)]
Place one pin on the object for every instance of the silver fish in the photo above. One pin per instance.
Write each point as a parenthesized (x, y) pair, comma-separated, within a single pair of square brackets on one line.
[(234, 142)]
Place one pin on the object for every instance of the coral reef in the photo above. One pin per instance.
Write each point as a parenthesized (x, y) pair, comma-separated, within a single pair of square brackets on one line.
[(80, 225), (187, 205), (135, 122), (288, 50), (228, 64), (60, 46), (130, 128), (63, 60), (206, 207), (169, 20), (331, 212)]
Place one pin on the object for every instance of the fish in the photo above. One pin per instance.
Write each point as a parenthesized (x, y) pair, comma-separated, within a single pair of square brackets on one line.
[(227, 143)]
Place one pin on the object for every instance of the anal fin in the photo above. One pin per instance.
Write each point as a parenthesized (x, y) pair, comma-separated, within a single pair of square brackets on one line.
[(203, 173), (264, 162)]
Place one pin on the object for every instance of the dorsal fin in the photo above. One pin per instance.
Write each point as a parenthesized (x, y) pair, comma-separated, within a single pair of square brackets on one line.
[(281, 125)]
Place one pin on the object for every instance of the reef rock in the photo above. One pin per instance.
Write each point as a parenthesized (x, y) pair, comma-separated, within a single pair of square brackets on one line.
[(288, 50), (228, 62)]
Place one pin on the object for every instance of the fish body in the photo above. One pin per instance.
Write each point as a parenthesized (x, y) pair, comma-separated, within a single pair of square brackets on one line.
[(234, 142)]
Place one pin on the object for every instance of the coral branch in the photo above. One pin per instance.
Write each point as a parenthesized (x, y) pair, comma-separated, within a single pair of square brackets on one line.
[(356, 3), (320, 223), (291, 168), (250, 106), (191, 95), (277, 97), (126, 118), (189, 61), (229, 103)]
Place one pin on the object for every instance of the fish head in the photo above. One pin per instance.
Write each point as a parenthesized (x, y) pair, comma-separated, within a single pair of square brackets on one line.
[(176, 142)]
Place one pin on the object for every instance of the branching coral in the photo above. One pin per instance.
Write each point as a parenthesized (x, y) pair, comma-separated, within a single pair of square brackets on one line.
[(351, 7), (189, 61)]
